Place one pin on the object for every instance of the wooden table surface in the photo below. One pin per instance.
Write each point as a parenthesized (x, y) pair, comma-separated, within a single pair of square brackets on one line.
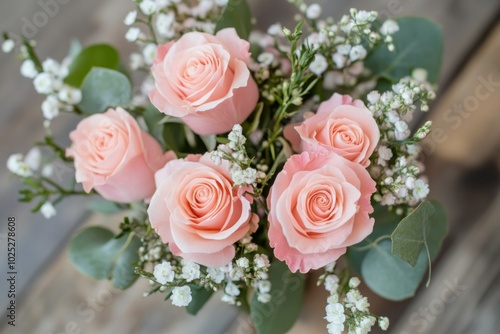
[(463, 167)]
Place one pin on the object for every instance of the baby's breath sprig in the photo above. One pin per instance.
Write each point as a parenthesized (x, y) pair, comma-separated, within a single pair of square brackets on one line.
[(346, 306)]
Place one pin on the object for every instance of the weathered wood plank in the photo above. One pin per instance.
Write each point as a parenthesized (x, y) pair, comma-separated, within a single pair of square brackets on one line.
[(466, 121)]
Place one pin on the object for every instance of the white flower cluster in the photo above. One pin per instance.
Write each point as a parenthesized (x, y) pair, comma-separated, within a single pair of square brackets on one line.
[(351, 310), (248, 270), (50, 81), (234, 152), (26, 166), (395, 163)]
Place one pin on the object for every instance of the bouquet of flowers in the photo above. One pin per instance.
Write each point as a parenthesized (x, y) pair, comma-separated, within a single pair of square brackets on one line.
[(247, 159)]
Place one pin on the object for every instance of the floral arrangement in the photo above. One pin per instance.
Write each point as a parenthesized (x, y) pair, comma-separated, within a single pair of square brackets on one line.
[(247, 159)]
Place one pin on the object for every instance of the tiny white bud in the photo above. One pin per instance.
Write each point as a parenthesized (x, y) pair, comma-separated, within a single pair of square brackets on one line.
[(313, 11), (8, 45), (48, 210), (130, 18), (148, 7)]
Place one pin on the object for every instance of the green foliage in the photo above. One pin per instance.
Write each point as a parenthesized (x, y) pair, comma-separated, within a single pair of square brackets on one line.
[(200, 297), (425, 226), (236, 15), (98, 55), (419, 44), (103, 88), (153, 118), (104, 206), (287, 290), (96, 253), (388, 275)]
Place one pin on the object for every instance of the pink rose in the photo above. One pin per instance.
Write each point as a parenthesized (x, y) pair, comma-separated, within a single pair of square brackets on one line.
[(205, 80), (115, 157), (341, 125), (196, 210), (319, 205)]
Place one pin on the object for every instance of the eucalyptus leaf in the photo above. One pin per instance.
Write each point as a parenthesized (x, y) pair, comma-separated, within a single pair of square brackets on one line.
[(280, 313), (96, 253), (200, 297), (389, 276), (153, 117), (426, 225), (385, 223), (210, 142), (99, 55), (104, 88), (104, 206), (236, 15), (418, 44)]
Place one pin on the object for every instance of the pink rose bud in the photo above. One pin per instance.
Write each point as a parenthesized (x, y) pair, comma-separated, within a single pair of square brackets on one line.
[(341, 125), (204, 79), (197, 210), (319, 205), (115, 157)]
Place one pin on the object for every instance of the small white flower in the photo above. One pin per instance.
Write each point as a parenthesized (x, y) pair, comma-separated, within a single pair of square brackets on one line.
[(410, 182), (330, 267), (136, 61), (28, 69), (261, 261), (236, 274), (264, 297), (148, 7), (335, 328), (228, 299), (70, 95), (339, 60), (331, 283), (33, 158), (419, 74), (130, 18), (389, 27), (132, 34), (265, 58), (313, 11), (48, 210), (17, 166), (385, 153), (344, 49), (164, 24), (275, 30), (373, 97), (48, 170), (181, 296), (8, 45), (160, 4), (264, 286), (421, 189), (354, 282), (164, 273), (383, 323), (335, 313), (363, 17), (44, 83), (318, 65), (392, 116), (388, 199), (216, 274), (149, 53), (401, 126), (50, 107), (357, 52), (51, 66), (190, 270), (232, 289), (242, 262)]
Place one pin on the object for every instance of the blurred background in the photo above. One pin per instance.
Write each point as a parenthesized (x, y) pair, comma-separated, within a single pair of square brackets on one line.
[(462, 158)]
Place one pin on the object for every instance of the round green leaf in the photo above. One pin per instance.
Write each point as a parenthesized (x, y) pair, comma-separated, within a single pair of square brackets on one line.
[(96, 253), (99, 55), (388, 275), (236, 15), (419, 44), (104, 88)]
